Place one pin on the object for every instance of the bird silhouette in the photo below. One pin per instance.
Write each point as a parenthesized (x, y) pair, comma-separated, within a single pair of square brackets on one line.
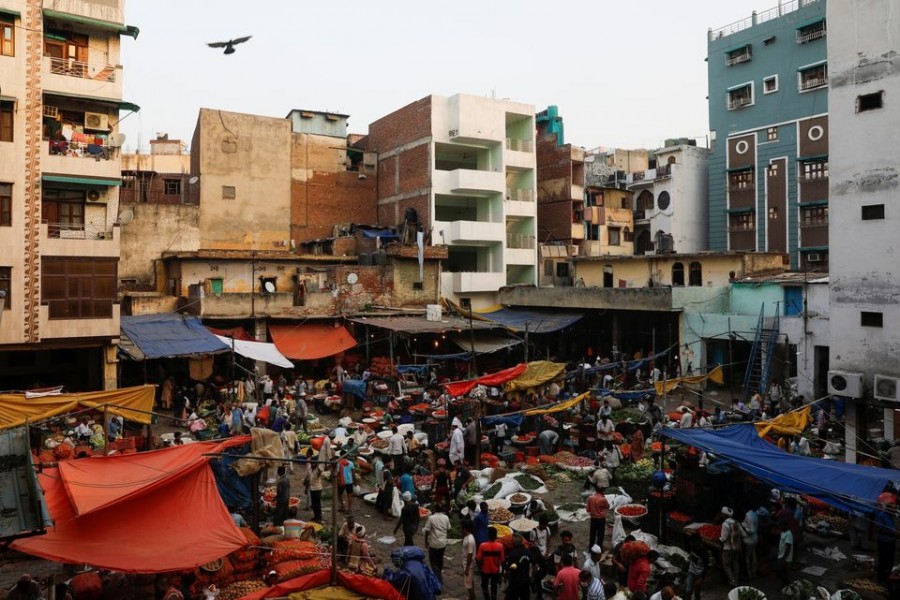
[(230, 44)]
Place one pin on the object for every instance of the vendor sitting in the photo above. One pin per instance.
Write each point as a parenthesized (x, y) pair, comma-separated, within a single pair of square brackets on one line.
[(84, 432)]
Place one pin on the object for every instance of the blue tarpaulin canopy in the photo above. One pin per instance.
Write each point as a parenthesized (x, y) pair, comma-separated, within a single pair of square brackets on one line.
[(538, 321), (849, 487), (167, 335), (382, 233)]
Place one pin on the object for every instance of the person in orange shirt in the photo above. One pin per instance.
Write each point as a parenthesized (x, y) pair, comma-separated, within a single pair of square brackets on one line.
[(490, 557), (597, 508), (639, 572), (568, 580)]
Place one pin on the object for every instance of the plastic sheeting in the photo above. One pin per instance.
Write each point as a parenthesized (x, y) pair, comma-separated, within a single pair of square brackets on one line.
[(369, 587), (129, 512), (716, 376), (848, 487), (564, 405), (17, 409), (167, 335), (498, 378), (538, 373), (535, 321), (791, 423), (262, 351), (311, 341)]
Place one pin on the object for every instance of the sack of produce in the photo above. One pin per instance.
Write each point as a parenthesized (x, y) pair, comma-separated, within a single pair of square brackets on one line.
[(633, 550)]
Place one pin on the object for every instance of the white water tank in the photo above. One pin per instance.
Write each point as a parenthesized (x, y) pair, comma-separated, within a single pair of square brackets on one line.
[(433, 312)]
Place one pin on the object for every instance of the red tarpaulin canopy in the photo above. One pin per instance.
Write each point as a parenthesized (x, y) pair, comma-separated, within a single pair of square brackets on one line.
[(461, 388), (370, 587), (238, 333), (138, 513), (311, 341)]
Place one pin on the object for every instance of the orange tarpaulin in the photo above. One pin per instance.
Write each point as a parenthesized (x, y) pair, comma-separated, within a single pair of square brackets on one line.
[(461, 388), (311, 341), (171, 521), (16, 409), (369, 587)]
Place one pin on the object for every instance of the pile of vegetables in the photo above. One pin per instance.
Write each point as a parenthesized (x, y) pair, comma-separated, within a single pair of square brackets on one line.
[(800, 589), (866, 585), (527, 482), (578, 461), (679, 517), (632, 510), (710, 532), (423, 482), (642, 469), (381, 366), (833, 522), (501, 515), (241, 589), (749, 593)]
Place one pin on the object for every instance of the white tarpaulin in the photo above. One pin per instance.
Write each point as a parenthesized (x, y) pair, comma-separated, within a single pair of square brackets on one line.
[(258, 351)]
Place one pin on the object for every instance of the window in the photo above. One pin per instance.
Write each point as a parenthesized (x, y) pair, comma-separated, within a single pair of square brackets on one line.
[(7, 39), (815, 170), (418, 286), (548, 268), (173, 187), (740, 181), (811, 32), (793, 300), (5, 287), (814, 216), (770, 84), (663, 200), (769, 40), (607, 276), (773, 213), (615, 236), (739, 55), (741, 222), (6, 121), (813, 77), (78, 288), (695, 274), (562, 269), (773, 169), (772, 134), (740, 96), (5, 204), (869, 102), (62, 210), (627, 235), (678, 274), (645, 201), (870, 212), (228, 192), (871, 319)]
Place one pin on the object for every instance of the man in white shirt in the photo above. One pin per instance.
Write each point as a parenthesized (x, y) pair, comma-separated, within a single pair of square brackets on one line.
[(600, 477), (457, 445), (83, 431), (592, 561), (468, 549), (499, 437), (436, 528), (750, 538), (731, 546), (605, 429), (687, 418), (396, 448), (655, 374)]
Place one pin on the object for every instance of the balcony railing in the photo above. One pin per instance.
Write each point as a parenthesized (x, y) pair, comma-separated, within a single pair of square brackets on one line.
[(663, 171), (98, 71), (519, 145), (804, 37), (520, 195), (738, 59), (813, 82), (744, 187), (640, 215), (523, 241), (759, 17), (77, 231), (735, 103), (135, 196), (82, 150)]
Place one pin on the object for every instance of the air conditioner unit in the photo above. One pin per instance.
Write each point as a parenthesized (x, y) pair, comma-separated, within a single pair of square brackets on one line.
[(813, 257), (887, 388), (93, 196), (841, 383), (96, 121)]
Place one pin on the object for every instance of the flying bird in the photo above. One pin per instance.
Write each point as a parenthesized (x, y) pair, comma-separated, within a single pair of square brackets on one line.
[(230, 44)]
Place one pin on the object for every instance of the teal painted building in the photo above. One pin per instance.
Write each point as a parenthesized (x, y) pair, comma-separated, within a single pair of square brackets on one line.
[(768, 116)]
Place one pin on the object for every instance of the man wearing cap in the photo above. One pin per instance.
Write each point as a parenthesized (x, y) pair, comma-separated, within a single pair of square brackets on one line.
[(731, 546), (457, 445), (409, 519), (597, 507), (592, 561)]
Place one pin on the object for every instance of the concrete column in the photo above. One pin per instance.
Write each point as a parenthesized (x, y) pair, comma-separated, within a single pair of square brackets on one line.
[(889, 414), (853, 426), (109, 365)]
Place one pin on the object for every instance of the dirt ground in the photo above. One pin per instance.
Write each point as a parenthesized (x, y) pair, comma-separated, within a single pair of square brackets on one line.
[(13, 564)]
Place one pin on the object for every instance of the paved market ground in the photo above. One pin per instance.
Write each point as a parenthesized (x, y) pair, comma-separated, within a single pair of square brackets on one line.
[(566, 492)]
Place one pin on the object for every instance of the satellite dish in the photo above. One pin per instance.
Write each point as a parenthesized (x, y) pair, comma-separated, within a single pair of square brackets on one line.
[(270, 287), (116, 140), (126, 217), (193, 180), (352, 278)]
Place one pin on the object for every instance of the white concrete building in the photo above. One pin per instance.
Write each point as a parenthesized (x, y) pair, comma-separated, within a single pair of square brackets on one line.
[(670, 202), (466, 165), (864, 110)]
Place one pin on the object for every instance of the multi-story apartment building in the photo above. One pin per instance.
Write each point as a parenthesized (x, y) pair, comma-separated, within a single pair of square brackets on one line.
[(60, 104), (670, 201), (560, 184), (462, 170), (865, 293), (768, 116)]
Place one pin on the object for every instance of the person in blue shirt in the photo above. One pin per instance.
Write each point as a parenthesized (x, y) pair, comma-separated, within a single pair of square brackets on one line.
[(480, 525), (407, 484), (237, 420)]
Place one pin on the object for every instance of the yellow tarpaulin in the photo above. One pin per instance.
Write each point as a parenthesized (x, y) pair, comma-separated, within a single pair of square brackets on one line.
[(16, 409), (791, 423), (537, 373), (664, 387), (564, 405)]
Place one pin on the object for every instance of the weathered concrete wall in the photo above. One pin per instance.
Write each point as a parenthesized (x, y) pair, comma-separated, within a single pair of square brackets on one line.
[(589, 297), (156, 228)]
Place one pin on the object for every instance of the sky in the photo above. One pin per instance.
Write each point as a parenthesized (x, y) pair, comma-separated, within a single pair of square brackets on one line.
[(625, 74)]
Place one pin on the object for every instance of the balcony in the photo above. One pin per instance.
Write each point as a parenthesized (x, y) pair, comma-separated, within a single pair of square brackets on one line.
[(109, 11), (811, 83), (79, 328), (737, 59), (96, 79), (468, 181), (520, 195), (740, 102), (470, 233), (86, 240), (78, 158), (804, 36), (469, 282), (577, 231), (520, 240)]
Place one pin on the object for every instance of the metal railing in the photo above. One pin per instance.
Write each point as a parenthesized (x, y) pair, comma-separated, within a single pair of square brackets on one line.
[(130, 195), (76, 68), (519, 145), (808, 36), (813, 82), (738, 59), (759, 17), (77, 231), (520, 195), (663, 171), (736, 103), (522, 241), (82, 150)]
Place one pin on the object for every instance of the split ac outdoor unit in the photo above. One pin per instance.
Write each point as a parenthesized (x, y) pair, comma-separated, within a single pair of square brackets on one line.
[(841, 383), (887, 388), (96, 121), (93, 196)]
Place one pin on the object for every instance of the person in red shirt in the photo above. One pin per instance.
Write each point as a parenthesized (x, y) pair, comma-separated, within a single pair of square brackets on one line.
[(639, 572), (568, 582), (597, 507), (490, 557)]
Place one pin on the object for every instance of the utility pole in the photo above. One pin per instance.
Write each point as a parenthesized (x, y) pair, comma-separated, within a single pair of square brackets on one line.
[(730, 362), (526, 341), (253, 290)]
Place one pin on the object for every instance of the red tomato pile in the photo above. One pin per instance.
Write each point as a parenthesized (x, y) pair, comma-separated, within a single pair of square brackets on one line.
[(632, 510), (710, 532), (679, 517)]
